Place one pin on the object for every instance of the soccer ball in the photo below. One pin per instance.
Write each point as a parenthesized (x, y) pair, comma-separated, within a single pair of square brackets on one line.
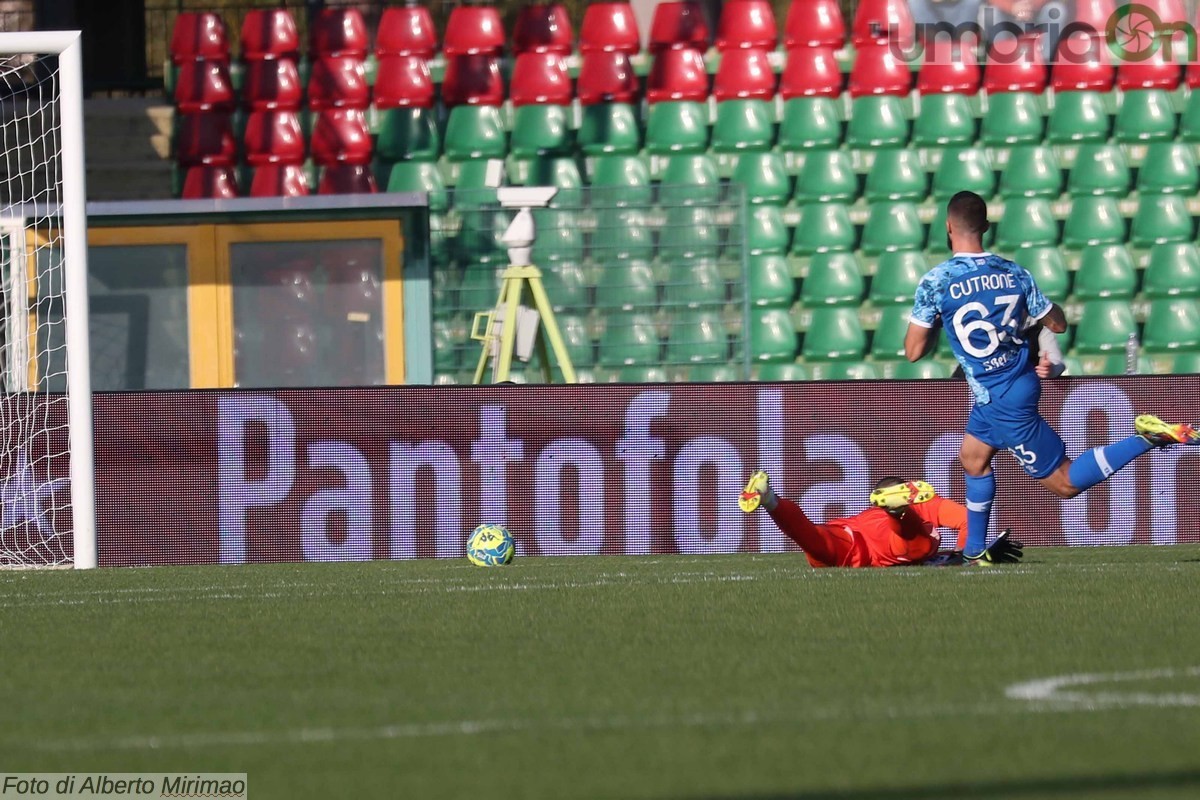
[(490, 546)]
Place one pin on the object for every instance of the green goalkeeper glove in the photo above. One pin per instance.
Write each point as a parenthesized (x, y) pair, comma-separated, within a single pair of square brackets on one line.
[(1004, 550)]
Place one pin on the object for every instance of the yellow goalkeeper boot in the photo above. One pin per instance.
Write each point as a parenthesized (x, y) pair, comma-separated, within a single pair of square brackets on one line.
[(1165, 434), (758, 489)]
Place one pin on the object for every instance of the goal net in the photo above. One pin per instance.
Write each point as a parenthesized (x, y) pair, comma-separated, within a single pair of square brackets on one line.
[(46, 481)]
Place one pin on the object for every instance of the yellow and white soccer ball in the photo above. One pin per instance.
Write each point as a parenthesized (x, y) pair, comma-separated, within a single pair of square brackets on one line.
[(490, 546)]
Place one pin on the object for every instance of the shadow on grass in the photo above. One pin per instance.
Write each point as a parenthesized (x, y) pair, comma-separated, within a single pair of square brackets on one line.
[(1094, 786)]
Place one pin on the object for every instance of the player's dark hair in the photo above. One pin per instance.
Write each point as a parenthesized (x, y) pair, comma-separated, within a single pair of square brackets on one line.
[(890, 480), (968, 212)]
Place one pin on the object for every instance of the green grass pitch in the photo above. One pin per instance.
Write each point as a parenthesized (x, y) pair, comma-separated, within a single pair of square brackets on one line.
[(618, 677)]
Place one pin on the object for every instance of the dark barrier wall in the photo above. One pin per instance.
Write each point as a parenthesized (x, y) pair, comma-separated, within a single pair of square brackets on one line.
[(200, 477)]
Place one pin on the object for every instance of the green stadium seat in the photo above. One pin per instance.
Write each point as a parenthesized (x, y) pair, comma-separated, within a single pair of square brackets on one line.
[(447, 345), (766, 232), (743, 125), (540, 130), (620, 180), (834, 334), (782, 371), (1032, 171), (892, 226), (688, 179), (901, 369), (1189, 122), (626, 284), (1112, 363), (897, 174), (888, 339), (1161, 218), (642, 373), (408, 134), (480, 229), (944, 120), (823, 227), (843, 371), (559, 236), (715, 373), (1173, 269), (562, 172), (1093, 219), (834, 279), (773, 337), (694, 284), (609, 128), (826, 176), (1176, 362), (1105, 270), (770, 282), (475, 132), (897, 274), (697, 337), (1104, 327), (877, 121), (677, 127), (577, 339), (809, 123), (622, 233), (1100, 168), (1168, 167), (764, 177), (1027, 221), (689, 232), (964, 169), (419, 176), (1145, 115), (1078, 117), (478, 287), (1013, 118), (1045, 263), (1172, 324), (566, 284), (629, 339), (936, 246)]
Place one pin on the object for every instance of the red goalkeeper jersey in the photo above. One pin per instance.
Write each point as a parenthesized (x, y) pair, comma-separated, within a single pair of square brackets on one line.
[(889, 541)]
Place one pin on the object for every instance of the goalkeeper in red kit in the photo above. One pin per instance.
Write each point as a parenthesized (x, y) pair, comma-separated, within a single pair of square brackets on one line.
[(900, 527)]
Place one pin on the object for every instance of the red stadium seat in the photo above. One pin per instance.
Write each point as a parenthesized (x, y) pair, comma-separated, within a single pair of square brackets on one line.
[(877, 20), (338, 82), (406, 31), (1094, 14), (540, 78), (347, 179), (1193, 75), (876, 70), (269, 33), (949, 68), (279, 180), (337, 32), (205, 138), (818, 23), (273, 137), (272, 84), (1083, 64), (677, 74), (403, 80), (472, 81), (811, 72), (747, 23), (206, 182), (204, 86), (543, 28), (744, 74), (1016, 65), (341, 136), (199, 36), (609, 26), (606, 76), (679, 24), (473, 30), (1158, 71)]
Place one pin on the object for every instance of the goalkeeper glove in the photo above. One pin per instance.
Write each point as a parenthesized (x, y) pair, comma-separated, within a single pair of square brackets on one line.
[(1005, 550)]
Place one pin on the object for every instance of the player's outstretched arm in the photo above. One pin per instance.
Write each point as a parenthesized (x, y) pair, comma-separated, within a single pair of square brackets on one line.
[(919, 341)]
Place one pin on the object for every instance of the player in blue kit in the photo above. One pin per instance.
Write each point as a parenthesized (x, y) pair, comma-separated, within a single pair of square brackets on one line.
[(985, 303)]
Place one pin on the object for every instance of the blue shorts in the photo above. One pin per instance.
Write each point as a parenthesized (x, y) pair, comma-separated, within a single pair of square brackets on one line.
[(1011, 422)]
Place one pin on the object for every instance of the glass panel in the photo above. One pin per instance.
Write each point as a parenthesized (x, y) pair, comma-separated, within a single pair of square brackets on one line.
[(138, 321), (308, 313)]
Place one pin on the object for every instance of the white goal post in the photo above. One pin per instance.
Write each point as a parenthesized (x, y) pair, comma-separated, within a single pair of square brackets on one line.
[(43, 255)]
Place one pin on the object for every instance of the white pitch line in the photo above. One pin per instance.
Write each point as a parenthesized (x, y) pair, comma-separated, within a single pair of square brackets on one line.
[(1050, 691)]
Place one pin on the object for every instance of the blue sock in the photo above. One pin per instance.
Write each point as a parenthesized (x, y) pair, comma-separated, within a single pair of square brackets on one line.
[(980, 493), (1098, 463)]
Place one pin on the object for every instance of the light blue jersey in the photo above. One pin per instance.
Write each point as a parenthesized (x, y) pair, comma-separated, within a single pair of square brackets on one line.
[(984, 302)]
